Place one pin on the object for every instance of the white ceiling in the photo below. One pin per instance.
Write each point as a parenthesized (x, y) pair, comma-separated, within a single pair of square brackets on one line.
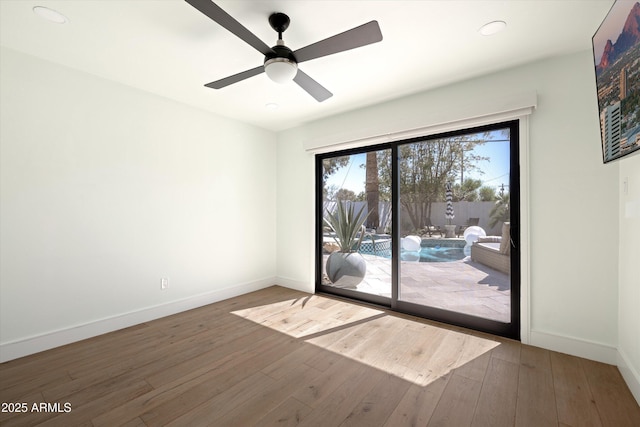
[(168, 48)]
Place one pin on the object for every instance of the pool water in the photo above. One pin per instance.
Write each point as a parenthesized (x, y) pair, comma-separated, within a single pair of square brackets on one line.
[(431, 250), (434, 254)]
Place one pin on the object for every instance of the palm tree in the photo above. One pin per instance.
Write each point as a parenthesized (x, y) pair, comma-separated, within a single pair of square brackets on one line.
[(372, 188), (501, 211)]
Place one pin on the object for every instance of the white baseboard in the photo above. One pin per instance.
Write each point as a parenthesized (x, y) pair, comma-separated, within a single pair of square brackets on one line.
[(574, 346), (295, 284), (25, 347), (630, 374)]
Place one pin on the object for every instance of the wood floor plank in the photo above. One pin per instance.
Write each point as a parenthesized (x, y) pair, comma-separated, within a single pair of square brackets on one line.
[(535, 357), (136, 422), (288, 414), (574, 401), (457, 403), (283, 357), (387, 355), (15, 418), (323, 359), (253, 409), (166, 396), (297, 358), (120, 368), (349, 343), (338, 405), (507, 349), (442, 358), (315, 392), (536, 405), (62, 357), (418, 404), (206, 395), (80, 414), (497, 402), (168, 369), (35, 384), (425, 339), (377, 405), (607, 386), (121, 357), (249, 389), (476, 368), (373, 348)]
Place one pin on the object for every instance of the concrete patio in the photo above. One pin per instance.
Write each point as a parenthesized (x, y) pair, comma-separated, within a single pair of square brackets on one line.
[(463, 286)]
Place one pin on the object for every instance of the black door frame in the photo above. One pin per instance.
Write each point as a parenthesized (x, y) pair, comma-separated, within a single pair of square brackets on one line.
[(509, 330)]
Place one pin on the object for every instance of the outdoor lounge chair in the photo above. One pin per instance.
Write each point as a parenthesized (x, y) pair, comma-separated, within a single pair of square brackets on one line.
[(429, 228), (470, 223), (494, 251)]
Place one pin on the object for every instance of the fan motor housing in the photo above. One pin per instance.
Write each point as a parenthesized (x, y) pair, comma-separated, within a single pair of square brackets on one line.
[(280, 51)]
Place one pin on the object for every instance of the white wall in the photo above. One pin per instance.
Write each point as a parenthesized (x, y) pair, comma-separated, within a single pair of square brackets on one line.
[(573, 196), (105, 189), (629, 292), (296, 212)]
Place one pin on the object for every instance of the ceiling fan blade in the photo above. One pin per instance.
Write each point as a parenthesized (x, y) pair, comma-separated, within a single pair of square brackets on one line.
[(356, 37), (313, 88), (218, 84), (214, 12)]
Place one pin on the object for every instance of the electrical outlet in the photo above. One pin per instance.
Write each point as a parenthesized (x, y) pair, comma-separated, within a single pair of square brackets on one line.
[(164, 283)]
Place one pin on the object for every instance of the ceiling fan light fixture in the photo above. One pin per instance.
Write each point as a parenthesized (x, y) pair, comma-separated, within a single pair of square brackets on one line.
[(281, 70), (281, 63)]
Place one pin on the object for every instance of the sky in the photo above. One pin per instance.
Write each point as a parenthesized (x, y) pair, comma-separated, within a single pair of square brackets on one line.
[(612, 26), (496, 171)]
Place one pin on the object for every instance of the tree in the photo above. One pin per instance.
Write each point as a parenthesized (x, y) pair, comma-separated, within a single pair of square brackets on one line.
[(361, 197), (501, 211), (331, 165), (372, 188), (425, 167), (487, 194), (329, 192), (468, 191), (345, 194)]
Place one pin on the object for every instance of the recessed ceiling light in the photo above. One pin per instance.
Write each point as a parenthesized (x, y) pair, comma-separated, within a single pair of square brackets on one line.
[(50, 14), (271, 106), (492, 28)]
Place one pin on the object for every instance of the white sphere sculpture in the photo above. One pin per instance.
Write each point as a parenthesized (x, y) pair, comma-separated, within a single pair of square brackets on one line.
[(411, 256), (411, 243), (472, 233)]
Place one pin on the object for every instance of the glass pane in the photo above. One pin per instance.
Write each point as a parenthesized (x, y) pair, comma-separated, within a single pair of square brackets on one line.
[(454, 224), (356, 246)]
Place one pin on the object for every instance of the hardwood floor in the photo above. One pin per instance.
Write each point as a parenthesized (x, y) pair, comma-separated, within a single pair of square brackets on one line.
[(281, 357)]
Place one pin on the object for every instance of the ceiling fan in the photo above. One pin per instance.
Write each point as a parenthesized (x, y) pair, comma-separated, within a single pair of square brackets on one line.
[(280, 62)]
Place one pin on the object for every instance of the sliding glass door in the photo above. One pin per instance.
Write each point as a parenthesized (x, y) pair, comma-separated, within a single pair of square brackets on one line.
[(427, 226), (455, 194), (356, 186)]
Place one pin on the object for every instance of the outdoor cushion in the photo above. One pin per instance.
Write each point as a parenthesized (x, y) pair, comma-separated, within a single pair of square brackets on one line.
[(489, 239), (505, 247), (494, 251)]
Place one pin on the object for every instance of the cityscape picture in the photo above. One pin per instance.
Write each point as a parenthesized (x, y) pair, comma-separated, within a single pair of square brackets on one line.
[(616, 51)]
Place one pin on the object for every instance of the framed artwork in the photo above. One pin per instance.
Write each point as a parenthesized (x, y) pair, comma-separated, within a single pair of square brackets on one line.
[(616, 52)]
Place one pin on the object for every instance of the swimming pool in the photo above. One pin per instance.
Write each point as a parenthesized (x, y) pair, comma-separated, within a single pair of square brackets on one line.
[(445, 252), (431, 250)]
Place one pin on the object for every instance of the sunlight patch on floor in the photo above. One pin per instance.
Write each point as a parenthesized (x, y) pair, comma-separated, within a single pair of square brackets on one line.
[(415, 351)]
